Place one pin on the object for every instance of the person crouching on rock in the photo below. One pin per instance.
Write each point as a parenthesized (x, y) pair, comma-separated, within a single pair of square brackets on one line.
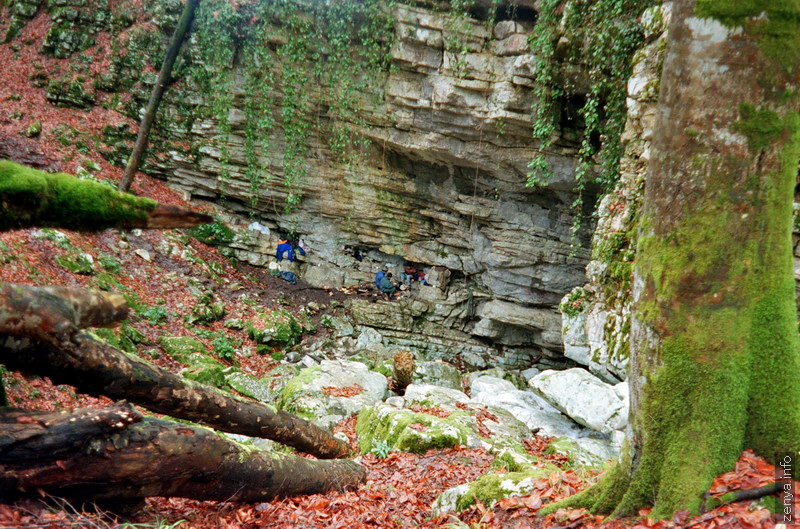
[(387, 286), (284, 246)]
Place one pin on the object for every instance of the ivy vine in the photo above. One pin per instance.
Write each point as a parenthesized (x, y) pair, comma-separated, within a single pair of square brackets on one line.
[(322, 58), (602, 35)]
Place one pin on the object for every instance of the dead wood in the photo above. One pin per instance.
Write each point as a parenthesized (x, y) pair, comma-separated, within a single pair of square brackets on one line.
[(49, 312), (115, 453), (99, 369)]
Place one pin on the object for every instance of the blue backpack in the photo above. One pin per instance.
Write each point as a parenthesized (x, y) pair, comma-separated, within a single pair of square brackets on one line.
[(290, 277)]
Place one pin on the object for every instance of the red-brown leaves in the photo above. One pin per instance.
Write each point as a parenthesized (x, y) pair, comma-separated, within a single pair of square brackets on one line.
[(349, 391)]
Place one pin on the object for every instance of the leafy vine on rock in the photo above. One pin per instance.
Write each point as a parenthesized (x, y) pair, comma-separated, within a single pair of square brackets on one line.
[(323, 58), (603, 35)]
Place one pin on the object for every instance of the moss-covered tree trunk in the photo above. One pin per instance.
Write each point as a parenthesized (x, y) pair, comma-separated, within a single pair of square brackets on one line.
[(714, 343)]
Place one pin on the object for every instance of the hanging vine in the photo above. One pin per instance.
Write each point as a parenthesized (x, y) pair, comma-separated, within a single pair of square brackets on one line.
[(602, 35), (327, 59), (214, 46), (259, 86)]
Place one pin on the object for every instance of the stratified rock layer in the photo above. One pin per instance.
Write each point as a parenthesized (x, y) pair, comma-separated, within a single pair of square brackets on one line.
[(442, 185)]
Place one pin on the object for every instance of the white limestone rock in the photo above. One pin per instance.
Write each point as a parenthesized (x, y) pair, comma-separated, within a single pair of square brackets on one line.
[(583, 397)]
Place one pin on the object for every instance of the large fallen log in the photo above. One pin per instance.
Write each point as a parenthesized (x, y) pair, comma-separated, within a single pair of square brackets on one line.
[(32, 198), (99, 369), (115, 453)]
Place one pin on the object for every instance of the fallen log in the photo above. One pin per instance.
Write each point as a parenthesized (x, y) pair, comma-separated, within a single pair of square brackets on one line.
[(52, 313), (116, 454), (32, 198), (99, 369)]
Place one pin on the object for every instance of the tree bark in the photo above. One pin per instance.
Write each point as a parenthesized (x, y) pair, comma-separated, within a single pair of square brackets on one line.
[(182, 29), (98, 369), (47, 313), (169, 217), (114, 453), (714, 344)]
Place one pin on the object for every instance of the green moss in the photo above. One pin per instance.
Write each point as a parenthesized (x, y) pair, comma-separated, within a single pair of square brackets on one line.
[(578, 457), (407, 431), (490, 488), (293, 390), (775, 24), (761, 126), (33, 198), (210, 375), (181, 347), (512, 456), (280, 328)]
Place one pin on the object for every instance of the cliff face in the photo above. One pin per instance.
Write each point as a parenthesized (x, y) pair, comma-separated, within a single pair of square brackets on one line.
[(442, 185)]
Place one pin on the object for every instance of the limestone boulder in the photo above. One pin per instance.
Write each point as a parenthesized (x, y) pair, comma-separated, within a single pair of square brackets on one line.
[(583, 397), (531, 409), (438, 374), (322, 393)]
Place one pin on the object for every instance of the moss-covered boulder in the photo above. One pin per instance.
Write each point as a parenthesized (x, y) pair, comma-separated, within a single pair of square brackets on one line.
[(278, 327), (492, 487), (408, 431), (75, 23), (438, 373), (69, 93), (581, 452), (435, 396), (207, 373), (255, 388), (209, 308), (125, 338), (332, 391), (181, 347), (19, 13)]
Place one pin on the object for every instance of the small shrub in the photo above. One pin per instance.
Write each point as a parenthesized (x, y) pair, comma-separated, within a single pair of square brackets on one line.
[(381, 449), (224, 348), (110, 263), (155, 315), (214, 234), (78, 263)]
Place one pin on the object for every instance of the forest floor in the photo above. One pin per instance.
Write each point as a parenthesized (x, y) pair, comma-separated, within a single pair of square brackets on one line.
[(400, 487)]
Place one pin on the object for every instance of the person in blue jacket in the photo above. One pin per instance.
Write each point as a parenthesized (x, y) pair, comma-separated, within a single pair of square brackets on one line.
[(379, 276), (284, 245)]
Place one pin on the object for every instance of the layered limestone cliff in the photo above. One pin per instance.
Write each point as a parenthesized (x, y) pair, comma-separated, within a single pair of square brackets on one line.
[(441, 182), (442, 185)]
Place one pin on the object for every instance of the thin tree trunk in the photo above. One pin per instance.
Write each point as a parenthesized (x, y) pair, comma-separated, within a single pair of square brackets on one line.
[(114, 453), (98, 369), (182, 29)]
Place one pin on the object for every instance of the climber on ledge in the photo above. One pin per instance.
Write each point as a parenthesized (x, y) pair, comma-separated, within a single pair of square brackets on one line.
[(387, 286), (285, 245), (379, 276)]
